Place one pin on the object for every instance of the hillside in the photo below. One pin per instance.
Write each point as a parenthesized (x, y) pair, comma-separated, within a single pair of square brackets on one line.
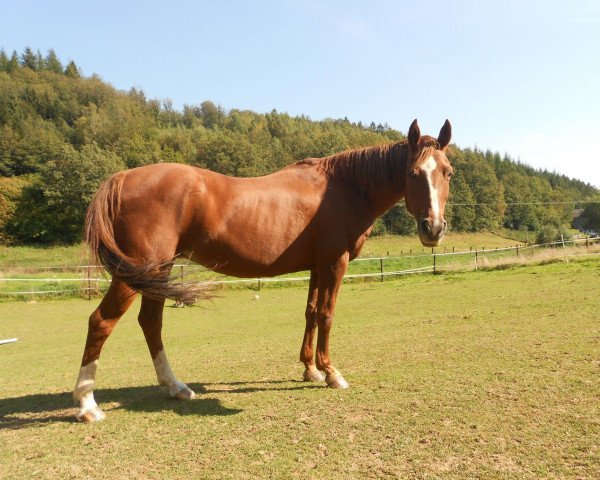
[(62, 133)]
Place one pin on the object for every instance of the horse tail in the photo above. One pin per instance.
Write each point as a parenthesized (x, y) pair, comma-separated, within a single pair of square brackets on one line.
[(152, 279)]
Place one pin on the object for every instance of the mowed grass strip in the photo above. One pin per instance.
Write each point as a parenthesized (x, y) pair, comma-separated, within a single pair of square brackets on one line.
[(473, 375)]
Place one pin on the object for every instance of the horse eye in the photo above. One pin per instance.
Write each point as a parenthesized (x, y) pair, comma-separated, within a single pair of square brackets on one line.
[(412, 174), (449, 175)]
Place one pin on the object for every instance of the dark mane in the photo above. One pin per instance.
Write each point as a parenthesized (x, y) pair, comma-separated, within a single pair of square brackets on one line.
[(373, 168)]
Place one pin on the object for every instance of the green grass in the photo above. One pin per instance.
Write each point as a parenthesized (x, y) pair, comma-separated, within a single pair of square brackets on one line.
[(71, 255), (29, 283), (61, 263), (31, 257), (489, 374), (396, 245)]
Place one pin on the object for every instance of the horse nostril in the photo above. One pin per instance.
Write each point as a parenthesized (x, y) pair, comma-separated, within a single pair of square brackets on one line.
[(445, 226), (425, 226)]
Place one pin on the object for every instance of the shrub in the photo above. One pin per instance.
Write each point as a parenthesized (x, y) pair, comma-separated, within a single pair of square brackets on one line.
[(550, 234), (379, 228)]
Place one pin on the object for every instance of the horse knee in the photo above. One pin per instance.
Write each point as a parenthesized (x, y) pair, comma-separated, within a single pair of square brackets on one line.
[(324, 321), (311, 315)]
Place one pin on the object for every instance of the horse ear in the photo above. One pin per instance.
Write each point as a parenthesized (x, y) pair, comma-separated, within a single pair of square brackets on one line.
[(445, 135), (414, 134)]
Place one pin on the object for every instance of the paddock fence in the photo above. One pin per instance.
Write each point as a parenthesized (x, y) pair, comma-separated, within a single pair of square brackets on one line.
[(90, 281)]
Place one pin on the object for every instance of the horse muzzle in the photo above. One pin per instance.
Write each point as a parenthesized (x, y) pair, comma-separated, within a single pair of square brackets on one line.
[(431, 234)]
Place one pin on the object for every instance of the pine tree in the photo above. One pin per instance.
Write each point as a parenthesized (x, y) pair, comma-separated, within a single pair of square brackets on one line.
[(72, 70), (3, 60), (39, 61), (13, 63), (29, 59), (52, 62)]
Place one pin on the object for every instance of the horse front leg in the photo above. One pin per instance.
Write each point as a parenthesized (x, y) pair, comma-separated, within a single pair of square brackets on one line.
[(329, 281), (311, 373)]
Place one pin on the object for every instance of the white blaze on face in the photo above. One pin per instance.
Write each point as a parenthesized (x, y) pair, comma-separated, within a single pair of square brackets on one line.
[(429, 167)]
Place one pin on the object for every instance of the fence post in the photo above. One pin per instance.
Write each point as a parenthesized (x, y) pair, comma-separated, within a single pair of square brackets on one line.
[(434, 262), (259, 284), (381, 268), (562, 239), (476, 256), (517, 250), (89, 282)]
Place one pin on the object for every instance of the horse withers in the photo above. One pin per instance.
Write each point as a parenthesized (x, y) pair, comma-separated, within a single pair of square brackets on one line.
[(312, 215)]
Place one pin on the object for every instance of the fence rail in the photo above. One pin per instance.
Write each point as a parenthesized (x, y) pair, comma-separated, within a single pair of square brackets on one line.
[(92, 276)]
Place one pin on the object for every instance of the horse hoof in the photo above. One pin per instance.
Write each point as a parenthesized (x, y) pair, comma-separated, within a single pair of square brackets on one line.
[(313, 375), (183, 392), (90, 415), (336, 381)]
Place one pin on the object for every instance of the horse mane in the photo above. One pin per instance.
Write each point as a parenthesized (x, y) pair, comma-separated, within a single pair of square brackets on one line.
[(373, 168)]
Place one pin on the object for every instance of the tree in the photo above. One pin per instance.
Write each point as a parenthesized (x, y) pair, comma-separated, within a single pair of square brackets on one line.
[(521, 211), (52, 63), (460, 209), (13, 63), (591, 213), (11, 190), (3, 60), (212, 115), (72, 70), (53, 207), (397, 220), (30, 59), (486, 188)]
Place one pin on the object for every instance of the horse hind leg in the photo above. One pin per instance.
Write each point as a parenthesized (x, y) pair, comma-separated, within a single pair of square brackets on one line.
[(150, 319), (115, 303)]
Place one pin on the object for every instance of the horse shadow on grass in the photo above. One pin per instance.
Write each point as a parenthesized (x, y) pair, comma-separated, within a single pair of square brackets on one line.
[(40, 409)]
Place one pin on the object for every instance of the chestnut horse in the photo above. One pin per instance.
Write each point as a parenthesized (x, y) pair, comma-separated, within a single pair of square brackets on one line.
[(312, 215)]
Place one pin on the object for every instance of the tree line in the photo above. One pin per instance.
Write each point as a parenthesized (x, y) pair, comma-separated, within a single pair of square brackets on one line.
[(62, 133)]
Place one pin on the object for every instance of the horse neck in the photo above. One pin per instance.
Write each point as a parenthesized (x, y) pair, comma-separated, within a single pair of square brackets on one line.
[(379, 172)]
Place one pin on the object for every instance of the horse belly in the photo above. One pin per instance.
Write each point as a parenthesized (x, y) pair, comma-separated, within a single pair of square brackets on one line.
[(259, 237)]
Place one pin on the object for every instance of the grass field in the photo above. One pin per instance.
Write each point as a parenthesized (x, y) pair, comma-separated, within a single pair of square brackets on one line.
[(28, 257), (21, 280), (54, 269), (489, 374)]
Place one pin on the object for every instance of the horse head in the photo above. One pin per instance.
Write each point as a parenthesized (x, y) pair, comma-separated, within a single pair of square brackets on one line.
[(427, 182)]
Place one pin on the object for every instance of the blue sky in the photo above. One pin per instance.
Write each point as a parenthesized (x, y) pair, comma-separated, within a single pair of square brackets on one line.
[(521, 77)]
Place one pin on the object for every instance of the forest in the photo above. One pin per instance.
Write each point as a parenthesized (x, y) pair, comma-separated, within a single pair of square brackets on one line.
[(62, 133)]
